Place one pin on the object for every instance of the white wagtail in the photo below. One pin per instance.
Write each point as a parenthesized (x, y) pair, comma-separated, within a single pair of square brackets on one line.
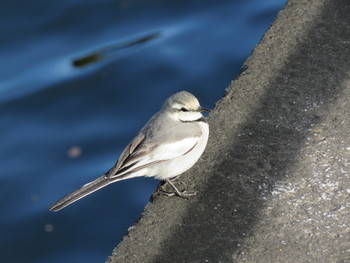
[(170, 143)]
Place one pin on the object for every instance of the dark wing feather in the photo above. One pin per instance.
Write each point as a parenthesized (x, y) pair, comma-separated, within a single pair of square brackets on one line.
[(128, 151), (142, 151)]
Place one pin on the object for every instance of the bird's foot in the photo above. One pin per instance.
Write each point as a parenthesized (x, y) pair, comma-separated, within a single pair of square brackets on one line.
[(182, 194)]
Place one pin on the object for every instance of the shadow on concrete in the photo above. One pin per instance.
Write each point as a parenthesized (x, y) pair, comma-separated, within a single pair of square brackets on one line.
[(266, 145)]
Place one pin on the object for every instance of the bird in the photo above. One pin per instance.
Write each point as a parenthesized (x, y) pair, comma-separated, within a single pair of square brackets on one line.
[(169, 144)]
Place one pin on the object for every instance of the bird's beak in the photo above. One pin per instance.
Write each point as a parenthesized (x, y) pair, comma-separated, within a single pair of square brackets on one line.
[(204, 109)]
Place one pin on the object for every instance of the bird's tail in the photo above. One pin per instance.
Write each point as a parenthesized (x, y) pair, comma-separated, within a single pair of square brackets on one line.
[(81, 192)]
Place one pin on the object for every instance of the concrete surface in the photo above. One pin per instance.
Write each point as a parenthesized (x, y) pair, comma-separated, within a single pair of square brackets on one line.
[(274, 183)]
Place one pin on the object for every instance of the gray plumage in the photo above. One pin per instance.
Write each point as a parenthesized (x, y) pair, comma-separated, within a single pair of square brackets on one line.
[(169, 144)]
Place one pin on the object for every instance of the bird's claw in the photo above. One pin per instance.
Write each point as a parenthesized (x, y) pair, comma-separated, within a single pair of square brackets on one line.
[(183, 194)]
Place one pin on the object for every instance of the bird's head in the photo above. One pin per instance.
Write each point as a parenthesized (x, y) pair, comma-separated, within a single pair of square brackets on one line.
[(184, 106)]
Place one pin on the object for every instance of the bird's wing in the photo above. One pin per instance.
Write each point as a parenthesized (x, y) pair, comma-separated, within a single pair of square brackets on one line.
[(128, 151), (140, 154)]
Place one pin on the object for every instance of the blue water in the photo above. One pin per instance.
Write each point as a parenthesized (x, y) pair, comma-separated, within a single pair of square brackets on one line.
[(78, 79)]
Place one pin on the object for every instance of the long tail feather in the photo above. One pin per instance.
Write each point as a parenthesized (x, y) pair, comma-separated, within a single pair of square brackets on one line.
[(81, 192)]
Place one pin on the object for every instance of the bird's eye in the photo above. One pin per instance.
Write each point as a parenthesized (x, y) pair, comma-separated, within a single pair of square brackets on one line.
[(183, 109)]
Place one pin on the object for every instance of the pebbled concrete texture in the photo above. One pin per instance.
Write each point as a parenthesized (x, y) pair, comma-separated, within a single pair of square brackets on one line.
[(274, 182)]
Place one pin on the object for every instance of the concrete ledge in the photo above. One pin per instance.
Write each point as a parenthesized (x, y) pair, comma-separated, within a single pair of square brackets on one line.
[(274, 183)]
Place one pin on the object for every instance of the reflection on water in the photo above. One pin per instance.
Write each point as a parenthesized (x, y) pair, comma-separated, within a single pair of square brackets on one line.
[(62, 127), (111, 50)]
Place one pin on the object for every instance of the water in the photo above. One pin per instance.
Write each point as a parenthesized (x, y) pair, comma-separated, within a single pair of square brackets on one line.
[(78, 79)]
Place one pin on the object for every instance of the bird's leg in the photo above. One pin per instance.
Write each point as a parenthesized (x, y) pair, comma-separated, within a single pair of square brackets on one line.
[(174, 179), (177, 192)]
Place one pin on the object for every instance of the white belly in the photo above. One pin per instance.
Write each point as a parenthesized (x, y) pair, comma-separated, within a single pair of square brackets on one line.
[(181, 164)]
